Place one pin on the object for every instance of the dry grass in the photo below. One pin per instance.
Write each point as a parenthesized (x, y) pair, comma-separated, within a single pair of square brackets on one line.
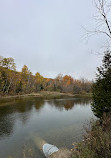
[(97, 141), (39, 94), (62, 153)]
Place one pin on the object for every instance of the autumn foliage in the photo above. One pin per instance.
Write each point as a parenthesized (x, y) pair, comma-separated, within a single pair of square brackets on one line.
[(13, 82)]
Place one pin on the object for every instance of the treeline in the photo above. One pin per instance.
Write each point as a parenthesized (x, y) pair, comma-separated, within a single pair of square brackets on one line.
[(13, 82)]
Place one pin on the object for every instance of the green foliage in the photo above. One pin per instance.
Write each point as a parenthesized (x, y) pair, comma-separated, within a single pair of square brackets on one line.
[(19, 87), (102, 88)]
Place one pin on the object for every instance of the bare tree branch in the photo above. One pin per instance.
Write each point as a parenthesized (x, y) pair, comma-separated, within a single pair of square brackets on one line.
[(103, 9)]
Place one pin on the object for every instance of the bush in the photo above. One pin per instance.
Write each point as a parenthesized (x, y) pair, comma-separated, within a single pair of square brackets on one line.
[(97, 141)]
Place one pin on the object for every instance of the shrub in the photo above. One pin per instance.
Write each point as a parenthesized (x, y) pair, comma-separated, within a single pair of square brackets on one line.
[(97, 141)]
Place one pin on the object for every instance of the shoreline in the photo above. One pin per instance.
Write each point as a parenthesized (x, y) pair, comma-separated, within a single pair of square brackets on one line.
[(45, 94)]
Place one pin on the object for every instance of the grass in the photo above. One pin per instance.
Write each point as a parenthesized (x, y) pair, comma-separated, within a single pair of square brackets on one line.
[(46, 94), (39, 94), (97, 141)]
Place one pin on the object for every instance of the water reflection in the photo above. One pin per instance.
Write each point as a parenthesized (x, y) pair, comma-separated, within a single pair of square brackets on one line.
[(17, 109), (20, 109), (57, 121), (39, 104), (68, 104), (6, 125)]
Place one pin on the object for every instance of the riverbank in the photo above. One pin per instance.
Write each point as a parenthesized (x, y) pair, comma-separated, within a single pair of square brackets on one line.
[(46, 94), (97, 141)]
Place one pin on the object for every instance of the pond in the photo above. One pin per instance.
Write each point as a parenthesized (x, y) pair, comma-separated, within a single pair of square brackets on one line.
[(57, 121)]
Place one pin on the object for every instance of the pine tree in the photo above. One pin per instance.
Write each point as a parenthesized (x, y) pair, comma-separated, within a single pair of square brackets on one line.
[(102, 88)]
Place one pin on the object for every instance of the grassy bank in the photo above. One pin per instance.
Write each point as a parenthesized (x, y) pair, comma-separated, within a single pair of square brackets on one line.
[(97, 141), (46, 94)]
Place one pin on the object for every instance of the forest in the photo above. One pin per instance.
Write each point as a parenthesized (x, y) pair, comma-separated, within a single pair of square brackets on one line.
[(13, 82)]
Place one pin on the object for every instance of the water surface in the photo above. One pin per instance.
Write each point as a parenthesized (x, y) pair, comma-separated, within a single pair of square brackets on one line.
[(58, 121)]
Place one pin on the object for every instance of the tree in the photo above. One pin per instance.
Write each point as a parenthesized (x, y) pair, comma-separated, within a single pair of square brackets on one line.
[(103, 8), (102, 21), (102, 88), (26, 75), (7, 63), (38, 82), (67, 84)]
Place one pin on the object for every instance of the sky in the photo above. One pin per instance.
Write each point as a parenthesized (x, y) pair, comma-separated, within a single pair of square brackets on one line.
[(49, 36)]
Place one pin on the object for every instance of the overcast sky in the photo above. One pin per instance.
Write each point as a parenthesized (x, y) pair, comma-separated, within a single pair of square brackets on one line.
[(48, 36)]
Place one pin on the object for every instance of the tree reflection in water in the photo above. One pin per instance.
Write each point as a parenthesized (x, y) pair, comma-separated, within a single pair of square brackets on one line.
[(57, 121), (68, 104), (20, 109), (17, 109)]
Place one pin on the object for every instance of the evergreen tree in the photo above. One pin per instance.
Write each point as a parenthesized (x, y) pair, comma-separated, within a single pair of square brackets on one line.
[(102, 88)]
